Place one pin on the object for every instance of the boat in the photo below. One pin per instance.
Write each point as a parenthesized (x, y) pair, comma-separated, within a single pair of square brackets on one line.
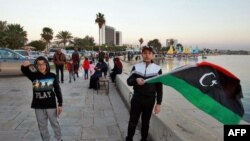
[(170, 52)]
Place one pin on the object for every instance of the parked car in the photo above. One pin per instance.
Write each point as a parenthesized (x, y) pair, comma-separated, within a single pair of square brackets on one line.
[(25, 53), (35, 54), (10, 62), (69, 54), (51, 53)]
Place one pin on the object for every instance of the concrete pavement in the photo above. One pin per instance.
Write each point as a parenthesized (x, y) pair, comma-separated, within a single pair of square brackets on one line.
[(87, 116)]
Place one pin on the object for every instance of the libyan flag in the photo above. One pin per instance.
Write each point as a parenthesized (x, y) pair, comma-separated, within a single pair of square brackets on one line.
[(209, 87)]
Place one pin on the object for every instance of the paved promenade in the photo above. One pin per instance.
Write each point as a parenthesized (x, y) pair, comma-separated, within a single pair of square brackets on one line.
[(87, 116)]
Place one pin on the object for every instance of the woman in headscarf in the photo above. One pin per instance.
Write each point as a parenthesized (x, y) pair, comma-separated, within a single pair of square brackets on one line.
[(101, 67), (117, 69)]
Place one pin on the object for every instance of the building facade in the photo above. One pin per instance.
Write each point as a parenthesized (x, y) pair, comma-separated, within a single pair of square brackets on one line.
[(109, 36), (118, 38)]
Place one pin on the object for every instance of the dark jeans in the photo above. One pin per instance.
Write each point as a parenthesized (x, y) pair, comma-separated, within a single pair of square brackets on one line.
[(86, 74), (61, 68), (71, 74), (76, 67), (113, 75), (140, 106)]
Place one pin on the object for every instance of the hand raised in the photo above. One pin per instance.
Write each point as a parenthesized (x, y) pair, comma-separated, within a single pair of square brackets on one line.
[(26, 63)]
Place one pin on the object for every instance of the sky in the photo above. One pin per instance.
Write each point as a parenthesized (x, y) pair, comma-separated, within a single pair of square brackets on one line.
[(215, 24)]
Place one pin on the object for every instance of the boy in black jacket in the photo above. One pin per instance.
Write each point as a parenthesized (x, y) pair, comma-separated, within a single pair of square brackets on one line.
[(143, 100), (45, 91)]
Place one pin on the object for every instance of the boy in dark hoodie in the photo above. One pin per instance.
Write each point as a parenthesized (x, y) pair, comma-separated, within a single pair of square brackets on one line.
[(45, 91)]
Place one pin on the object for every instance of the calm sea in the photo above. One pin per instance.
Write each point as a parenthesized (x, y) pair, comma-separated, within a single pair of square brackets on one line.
[(237, 64)]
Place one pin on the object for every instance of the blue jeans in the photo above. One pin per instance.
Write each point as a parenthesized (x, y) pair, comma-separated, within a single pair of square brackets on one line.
[(86, 74)]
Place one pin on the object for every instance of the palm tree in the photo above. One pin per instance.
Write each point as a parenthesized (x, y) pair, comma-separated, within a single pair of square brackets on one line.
[(141, 41), (101, 21), (64, 36), (3, 26), (47, 35), (155, 44), (15, 36)]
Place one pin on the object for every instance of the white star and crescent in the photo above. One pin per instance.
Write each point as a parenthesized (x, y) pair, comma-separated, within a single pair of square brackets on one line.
[(213, 82)]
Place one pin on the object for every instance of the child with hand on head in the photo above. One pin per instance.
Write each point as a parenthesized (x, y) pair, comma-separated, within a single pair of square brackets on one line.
[(47, 96)]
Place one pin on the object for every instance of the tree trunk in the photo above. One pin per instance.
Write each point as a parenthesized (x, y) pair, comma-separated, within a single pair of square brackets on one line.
[(99, 38)]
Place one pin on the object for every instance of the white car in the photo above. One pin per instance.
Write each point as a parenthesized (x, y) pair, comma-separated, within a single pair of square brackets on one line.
[(35, 54), (24, 53), (69, 54)]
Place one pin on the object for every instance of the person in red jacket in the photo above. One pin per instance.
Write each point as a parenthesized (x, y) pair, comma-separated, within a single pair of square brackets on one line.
[(85, 66), (70, 67)]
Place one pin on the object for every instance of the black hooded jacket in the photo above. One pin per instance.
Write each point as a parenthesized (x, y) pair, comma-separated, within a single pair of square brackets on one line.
[(45, 87)]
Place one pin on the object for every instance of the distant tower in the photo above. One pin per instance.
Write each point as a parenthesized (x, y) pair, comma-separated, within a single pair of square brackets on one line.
[(118, 38), (110, 36)]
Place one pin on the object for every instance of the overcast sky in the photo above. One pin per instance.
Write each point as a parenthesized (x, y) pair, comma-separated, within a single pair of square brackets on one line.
[(205, 23)]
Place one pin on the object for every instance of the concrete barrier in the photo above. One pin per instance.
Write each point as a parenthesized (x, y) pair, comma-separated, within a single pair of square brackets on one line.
[(158, 130), (172, 124)]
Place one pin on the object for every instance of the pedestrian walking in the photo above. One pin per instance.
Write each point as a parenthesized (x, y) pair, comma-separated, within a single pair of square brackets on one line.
[(76, 61), (85, 66), (70, 67), (59, 60)]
